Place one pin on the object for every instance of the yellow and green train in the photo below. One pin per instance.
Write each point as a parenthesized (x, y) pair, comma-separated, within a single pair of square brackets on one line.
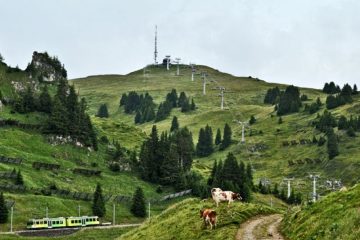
[(63, 222)]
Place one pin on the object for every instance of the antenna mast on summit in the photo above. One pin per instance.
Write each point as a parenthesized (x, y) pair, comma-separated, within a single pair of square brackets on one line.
[(155, 50)]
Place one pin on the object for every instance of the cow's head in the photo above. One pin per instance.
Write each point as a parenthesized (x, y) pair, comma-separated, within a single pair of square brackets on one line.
[(216, 190), (236, 196)]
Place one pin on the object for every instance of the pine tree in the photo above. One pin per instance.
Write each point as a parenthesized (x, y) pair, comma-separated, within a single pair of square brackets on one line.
[(174, 124), (200, 147), (62, 90), (123, 100), (355, 90), (98, 206), (332, 144), (185, 107), (103, 111), (19, 179), (249, 176), (182, 99), (28, 101), (3, 209), (192, 106), (170, 169), (208, 140), (58, 120), (45, 102), (138, 118), (252, 120), (138, 208), (218, 137), (227, 137), (212, 175)]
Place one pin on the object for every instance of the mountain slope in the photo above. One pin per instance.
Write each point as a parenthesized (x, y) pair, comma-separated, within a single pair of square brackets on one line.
[(182, 221), (336, 216), (243, 98)]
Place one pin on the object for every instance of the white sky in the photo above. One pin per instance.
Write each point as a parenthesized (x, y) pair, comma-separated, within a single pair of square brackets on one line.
[(301, 42)]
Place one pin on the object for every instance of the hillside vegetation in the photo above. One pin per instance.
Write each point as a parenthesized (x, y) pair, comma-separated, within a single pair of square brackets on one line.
[(244, 97), (336, 216), (182, 221)]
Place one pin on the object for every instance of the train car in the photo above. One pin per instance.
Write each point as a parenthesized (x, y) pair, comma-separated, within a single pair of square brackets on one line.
[(82, 221), (63, 222), (46, 223)]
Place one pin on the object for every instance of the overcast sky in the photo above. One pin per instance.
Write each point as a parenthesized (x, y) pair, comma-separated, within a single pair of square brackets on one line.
[(301, 42)]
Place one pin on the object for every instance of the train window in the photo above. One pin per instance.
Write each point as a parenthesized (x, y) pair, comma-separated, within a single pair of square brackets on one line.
[(61, 222), (72, 221)]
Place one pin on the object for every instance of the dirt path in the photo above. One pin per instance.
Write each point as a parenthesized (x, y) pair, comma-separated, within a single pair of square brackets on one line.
[(262, 227)]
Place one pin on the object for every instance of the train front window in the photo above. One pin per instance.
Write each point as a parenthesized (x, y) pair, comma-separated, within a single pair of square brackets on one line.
[(29, 223)]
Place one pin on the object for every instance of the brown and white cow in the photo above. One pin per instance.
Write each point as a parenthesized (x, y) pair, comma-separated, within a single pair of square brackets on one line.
[(219, 195), (209, 217)]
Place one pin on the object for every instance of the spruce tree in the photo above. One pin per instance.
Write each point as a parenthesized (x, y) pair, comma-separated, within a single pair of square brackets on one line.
[(103, 111), (3, 209), (174, 124), (182, 99), (212, 175), (208, 141), (355, 90), (123, 100), (170, 169), (252, 120), (249, 176), (332, 144), (58, 120), (28, 101), (185, 107), (218, 137), (138, 208), (138, 118), (19, 179), (45, 102), (98, 206), (200, 146), (185, 147), (227, 137), (192, 106)]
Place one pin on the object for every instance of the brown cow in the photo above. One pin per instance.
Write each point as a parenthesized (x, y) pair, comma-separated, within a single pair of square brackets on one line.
[(209, 217)]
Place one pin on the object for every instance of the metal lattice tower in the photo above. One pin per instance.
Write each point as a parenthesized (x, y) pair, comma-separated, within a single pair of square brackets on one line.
[(222, 89), (192, 65), (203, 76), (167, 62), (289, 185), (177, 60), (155, 50), (314, 178)]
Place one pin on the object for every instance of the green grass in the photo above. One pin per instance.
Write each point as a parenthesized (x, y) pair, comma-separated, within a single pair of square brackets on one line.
[(182, 221), (244, 98), (336, 216), (90, 234)]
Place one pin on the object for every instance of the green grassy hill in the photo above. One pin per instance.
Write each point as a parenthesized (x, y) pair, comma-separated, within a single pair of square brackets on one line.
[(182, 221), (244, 98), (336, 216)]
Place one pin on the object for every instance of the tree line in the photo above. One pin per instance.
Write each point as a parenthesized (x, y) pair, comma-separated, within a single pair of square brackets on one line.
[(232, 176), (288, 101), (294, 198), (66, 113), (342, 97), (144, 106)]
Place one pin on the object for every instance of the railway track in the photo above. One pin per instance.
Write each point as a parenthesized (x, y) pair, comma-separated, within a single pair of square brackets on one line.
[(64, 231)]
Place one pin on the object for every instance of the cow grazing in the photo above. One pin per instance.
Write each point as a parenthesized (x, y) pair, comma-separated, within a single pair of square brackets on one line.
[(209, 217), (219, 195)]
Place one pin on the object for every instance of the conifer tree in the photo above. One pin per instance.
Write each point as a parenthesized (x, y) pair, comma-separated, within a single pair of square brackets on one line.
[(332, 144), (138, 207), (193, 106), (252, 120), (208, 140), (170, 168), (45, 102), (58, 120), (185, 106), (98, 206), (227, 137), (212, 175), (249, 176), (174, 124), (19, 179), (355, 90), (200, 147), (3, 209), (182, 99), (123, 100), (138, 118), (28, 101), (218, 137), (103, 111), (185, 146)]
